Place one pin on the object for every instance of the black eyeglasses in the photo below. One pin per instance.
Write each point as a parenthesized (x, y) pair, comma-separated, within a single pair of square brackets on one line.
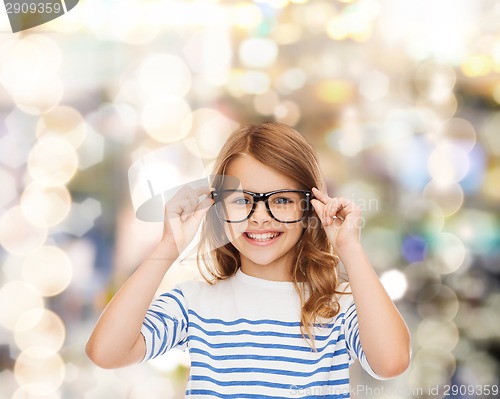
[(285, 206)]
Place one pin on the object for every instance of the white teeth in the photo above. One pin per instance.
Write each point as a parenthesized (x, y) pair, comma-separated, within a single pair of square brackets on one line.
[(262, 237)]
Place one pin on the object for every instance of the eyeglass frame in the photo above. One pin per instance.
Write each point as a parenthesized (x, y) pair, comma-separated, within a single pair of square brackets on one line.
[(257, 197)]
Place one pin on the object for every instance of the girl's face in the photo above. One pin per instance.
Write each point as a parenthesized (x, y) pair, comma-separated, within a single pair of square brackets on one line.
[(263, 242)]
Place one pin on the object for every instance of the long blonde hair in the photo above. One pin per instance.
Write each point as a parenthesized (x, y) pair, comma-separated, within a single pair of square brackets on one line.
[(314, 272)]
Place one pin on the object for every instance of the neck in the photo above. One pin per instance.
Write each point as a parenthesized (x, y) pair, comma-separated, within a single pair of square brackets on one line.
[(278, 270)]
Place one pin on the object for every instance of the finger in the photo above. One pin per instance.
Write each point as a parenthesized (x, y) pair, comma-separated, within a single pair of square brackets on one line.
[(196, 195), (202, 191), (187, 190), (205, 200), (318, 207), (320, 195), (184, 193), (195, 207), (203, 208), (180, 208), (332, 208), (347, 207), (337, 209)]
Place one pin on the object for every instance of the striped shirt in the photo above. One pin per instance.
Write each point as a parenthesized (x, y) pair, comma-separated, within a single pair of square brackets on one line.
[(244, 340)]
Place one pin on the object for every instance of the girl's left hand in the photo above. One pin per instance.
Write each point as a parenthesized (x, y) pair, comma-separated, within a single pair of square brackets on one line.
[(340, 217)]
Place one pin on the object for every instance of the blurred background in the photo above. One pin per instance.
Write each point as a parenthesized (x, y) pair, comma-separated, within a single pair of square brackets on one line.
[(400, 99)]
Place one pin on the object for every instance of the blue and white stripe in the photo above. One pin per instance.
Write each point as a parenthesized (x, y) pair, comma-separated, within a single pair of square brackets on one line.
[(243, 336)]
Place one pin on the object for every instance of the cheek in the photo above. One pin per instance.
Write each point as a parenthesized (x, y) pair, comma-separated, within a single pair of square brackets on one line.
[(295, 232), (235, 230)]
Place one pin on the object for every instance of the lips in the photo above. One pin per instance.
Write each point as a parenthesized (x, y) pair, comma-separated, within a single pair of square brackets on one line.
[(262, 237)]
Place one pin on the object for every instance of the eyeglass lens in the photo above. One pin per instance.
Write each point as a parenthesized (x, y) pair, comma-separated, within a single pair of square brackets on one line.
[(236, 205)]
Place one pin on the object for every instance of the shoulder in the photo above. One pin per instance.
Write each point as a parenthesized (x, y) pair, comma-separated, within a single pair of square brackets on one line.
[(193, 285), (199, 286), (200, 297)]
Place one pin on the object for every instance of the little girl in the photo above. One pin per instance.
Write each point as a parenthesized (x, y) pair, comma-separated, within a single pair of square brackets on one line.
[(272, 320)]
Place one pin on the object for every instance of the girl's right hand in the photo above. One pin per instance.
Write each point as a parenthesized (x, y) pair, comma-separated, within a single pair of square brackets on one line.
[(183, 215)]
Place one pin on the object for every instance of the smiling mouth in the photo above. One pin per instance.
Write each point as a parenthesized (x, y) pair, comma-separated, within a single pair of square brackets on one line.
[(262, 237)]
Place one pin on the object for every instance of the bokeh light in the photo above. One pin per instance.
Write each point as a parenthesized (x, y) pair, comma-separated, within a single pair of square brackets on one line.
[(489, 132), (48, 270), (287, 112), (449, 197), (9, 189), (29, 70), (447, 253), (287, 33), (116, 121), (292, 79), (40, 97), (335, 91), (23, 394), (162, 74), (448, 163), (153, 388), (383, 246), (28, 61), (45, 206), (394, 283), (437, 334), (438, 301), (423, 217), (434, 81), (211, 129), (479, 368), (490, 188), (252, 82), (40, 328), (25, 238), (246, 15), (52, 162), (477, 65), (476, 228), (413, 248), (63, 122), (39, 371), (432, 368), (400, 99), (167, 119), (266, 103), (130, 23), (258, 53), (460, 132), (17, 298), (422, 277), (374, 85)]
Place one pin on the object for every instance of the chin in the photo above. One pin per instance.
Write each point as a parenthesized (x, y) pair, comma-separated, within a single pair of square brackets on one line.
[(261, 261)]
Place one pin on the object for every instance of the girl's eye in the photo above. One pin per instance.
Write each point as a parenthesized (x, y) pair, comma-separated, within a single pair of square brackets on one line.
[(241, 201), (282, 201)]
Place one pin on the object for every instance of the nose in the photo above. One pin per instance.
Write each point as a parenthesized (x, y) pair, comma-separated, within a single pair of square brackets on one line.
[(260, 215)]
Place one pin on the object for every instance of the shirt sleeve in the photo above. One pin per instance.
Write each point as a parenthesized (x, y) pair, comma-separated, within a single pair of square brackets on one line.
[(353, 342), (165, 325)]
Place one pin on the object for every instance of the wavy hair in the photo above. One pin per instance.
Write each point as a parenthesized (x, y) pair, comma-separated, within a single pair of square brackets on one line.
[(315, 270)]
